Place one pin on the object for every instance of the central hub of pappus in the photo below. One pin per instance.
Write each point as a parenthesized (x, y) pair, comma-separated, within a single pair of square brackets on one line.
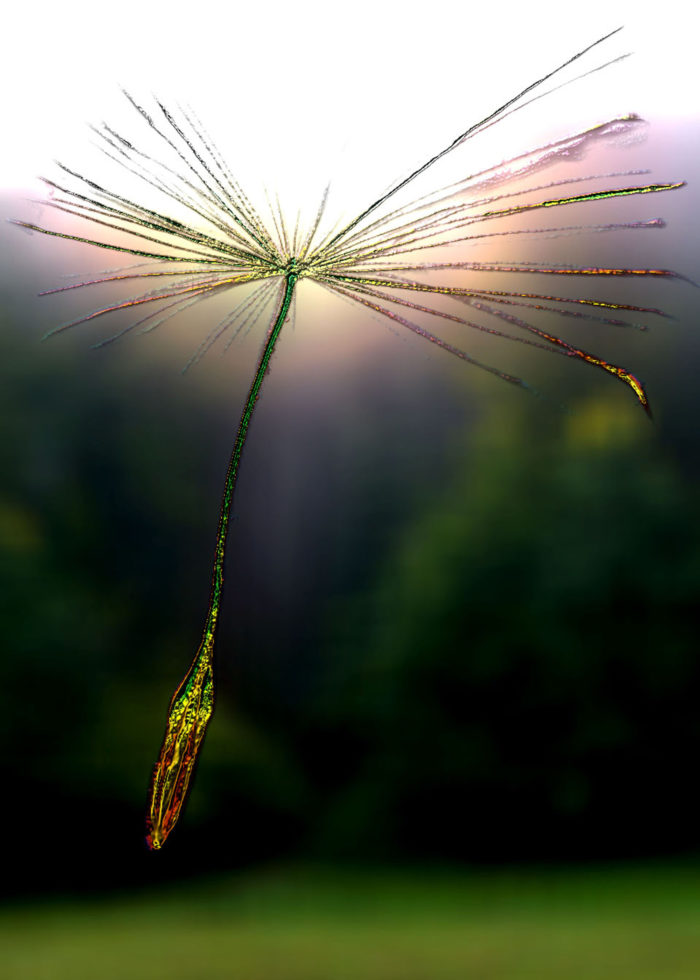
[(296, 267)]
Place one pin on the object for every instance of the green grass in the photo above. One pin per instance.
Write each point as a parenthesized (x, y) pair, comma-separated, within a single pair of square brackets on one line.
[(300, 924)]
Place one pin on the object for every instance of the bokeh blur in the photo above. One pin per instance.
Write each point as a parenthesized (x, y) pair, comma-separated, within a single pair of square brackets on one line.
[(457, 724)]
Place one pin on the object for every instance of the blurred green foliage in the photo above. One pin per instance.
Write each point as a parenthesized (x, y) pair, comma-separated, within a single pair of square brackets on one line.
[(522, 677), (480, 646)]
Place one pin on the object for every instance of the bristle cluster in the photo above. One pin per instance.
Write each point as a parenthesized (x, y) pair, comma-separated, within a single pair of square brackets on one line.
[(373, 260)]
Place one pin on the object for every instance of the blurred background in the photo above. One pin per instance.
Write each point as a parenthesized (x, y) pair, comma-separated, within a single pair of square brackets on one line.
[(456, 730)]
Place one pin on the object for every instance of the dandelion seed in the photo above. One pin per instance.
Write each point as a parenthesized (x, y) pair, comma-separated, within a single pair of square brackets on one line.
[(373, 261)]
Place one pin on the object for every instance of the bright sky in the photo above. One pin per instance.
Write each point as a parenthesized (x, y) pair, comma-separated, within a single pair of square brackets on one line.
[(297, 83)]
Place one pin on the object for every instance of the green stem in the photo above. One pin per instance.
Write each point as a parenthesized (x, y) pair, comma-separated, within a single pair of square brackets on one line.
[(192, 704), (217, 580)]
